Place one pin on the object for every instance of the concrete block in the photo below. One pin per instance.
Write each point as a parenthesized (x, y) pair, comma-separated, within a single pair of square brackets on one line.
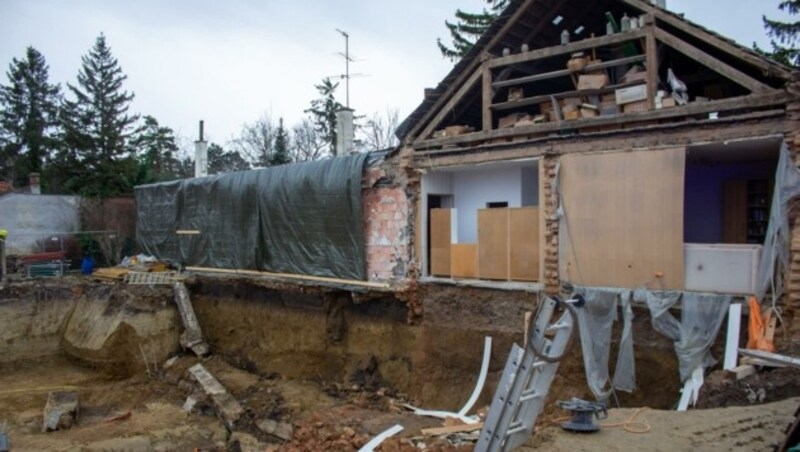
[(277, 429), (227, 407), (61, 411)]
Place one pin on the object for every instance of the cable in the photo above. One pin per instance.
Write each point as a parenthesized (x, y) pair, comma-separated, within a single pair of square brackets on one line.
[(630, 425)]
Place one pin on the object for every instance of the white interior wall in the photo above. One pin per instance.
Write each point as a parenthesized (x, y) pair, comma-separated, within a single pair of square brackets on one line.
[(473, 189)]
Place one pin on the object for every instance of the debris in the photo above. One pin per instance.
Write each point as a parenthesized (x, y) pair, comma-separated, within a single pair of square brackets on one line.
[(61, 411), (280, 430), (118, 417), (376, 441), (776, 359), (170, 362), (436, 431), (246, 442), (192, 337), (192, 401), (227, 407), (743, 371), (110, 273)]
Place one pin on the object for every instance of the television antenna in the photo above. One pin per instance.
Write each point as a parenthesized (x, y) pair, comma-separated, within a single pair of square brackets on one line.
[(347, 60)]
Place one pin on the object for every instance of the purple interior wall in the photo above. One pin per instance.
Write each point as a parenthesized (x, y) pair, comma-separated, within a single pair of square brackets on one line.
[(702, 217)]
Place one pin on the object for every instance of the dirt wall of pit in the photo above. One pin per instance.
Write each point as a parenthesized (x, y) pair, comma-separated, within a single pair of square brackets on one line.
[(109, 326), (330, 337)]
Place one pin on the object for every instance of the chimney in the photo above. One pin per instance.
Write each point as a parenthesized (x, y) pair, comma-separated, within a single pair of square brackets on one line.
[(33, 182), (344, 132), (201, 155)]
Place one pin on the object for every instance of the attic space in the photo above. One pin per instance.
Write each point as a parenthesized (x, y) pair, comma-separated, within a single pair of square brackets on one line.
[(482, 222)]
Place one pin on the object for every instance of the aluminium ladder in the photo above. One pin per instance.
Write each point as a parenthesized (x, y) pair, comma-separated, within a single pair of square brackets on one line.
[(529, 371)]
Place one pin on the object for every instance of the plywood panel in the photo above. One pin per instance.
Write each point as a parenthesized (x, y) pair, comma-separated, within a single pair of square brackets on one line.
[(440, 242), (524, 244), (493, 254), (734, 211), (624, 218), (464, 260)]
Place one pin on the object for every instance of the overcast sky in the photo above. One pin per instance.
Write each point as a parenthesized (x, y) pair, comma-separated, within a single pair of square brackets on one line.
[(231, 62)]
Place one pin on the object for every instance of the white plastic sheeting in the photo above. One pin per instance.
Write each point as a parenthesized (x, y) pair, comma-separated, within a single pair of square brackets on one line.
[(596, 320), (775, 258), (701, 319)]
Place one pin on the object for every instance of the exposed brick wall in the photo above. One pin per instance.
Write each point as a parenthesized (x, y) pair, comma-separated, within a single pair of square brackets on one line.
[(792, 308), (386, 223), (551, 202)]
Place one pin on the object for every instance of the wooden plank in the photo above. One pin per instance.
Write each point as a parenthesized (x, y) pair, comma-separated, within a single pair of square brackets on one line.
[(465, 88), (488, 95), (418, 234), (464, 260), (743, 371), (463, 78), (681, 24), (751, 101), (567, 72), (535, 100), (772, 357), (441, 238), (651, 50), (348, 282), (493, 255), (712, 63), (463, 428), (524, 244), (624, 218), (734, 211), (572, 47)]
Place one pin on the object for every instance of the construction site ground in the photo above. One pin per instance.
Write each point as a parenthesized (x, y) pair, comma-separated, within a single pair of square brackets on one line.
[(94, 339)]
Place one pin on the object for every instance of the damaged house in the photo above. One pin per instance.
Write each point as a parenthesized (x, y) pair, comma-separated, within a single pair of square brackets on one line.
[(609, 148)]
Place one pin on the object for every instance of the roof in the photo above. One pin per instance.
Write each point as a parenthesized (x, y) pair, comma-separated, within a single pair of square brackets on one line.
[(525, 21)]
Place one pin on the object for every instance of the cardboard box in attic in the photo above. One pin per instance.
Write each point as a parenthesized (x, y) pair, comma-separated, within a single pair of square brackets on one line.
[(511, 120), (589, 81), (631, 94)]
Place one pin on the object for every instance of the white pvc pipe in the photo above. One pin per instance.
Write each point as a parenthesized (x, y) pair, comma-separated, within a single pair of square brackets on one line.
[(376, 441), (441, 414), (487, 355)]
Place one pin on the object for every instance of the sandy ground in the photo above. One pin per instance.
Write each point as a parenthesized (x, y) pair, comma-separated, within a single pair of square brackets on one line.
[(752, 428), (326, 416)]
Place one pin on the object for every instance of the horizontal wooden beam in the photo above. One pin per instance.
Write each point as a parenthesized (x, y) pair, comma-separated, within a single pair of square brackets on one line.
[(695, 108), (567, 72), (348, 282), (572, 47), (653, 136), (535, 100), (712, 63)]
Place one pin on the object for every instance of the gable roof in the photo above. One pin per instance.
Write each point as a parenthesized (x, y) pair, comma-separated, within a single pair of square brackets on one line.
[(525, 21)]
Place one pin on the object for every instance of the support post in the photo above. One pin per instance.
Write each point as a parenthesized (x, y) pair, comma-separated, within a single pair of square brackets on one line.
[(651, 53), (488, 94)]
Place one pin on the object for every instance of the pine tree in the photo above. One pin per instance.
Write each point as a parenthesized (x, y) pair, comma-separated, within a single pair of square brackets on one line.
[(468, 28), (323, 112), (156, 149), (28, 117), (97, 126), (785, 50), (280, 154), (222, 161)]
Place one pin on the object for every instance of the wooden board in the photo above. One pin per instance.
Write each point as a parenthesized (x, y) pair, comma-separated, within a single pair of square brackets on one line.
[(493, 254), (734, 211), (418, 232), (524, 244), (440, 242), (464, 260), (624, 217)]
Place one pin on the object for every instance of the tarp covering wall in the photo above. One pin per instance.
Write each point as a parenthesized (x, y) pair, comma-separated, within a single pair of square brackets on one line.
[(303, 218)]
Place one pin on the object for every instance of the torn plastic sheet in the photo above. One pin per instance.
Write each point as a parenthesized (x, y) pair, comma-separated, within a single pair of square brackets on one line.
[(596, 320), (701, 318), (775, 256), (303, 218)]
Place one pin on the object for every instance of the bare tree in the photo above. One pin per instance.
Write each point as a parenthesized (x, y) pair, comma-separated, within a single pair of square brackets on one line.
[(307, 143), (256, 141), (377, 132)]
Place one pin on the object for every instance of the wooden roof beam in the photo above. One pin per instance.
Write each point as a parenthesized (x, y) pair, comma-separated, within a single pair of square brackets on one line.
[(751, 58), (521, 11), (454, 100), (712, 63)]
